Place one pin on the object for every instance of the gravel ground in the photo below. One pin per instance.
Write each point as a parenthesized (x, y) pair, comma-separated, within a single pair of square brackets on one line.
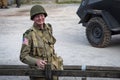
[(71, 44)]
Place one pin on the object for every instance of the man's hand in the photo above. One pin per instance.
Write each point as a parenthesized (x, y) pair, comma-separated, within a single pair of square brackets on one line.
[(41, 64)]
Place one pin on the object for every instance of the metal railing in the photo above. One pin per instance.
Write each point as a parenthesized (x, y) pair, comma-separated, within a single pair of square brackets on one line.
[(69, 71)]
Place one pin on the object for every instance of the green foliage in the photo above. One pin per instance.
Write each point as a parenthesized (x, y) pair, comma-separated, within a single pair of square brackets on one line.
[(68, 2), (26, 1), (57, 1)]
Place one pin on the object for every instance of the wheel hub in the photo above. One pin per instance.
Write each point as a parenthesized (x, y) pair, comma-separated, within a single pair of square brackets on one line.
[(97, 32)]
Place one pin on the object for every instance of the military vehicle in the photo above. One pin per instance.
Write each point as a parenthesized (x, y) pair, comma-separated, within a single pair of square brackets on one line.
[(101, 19)]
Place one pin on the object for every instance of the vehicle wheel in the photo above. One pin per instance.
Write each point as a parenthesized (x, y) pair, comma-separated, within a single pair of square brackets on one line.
[(97, 32)]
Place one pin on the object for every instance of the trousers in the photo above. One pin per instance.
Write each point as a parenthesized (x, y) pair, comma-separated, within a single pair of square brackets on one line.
[(18, 3), (3, 3)]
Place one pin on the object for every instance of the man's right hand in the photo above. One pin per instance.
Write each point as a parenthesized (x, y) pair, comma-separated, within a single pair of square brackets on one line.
[(41, 64)]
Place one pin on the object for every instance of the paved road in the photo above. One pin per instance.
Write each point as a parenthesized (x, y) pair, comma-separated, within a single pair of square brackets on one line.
[(71, 44)]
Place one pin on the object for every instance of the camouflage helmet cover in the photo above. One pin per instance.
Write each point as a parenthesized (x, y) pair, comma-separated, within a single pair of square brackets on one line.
[(37, 9)]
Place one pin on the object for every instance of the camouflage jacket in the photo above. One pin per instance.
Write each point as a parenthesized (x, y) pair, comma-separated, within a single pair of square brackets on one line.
[(37, 44)]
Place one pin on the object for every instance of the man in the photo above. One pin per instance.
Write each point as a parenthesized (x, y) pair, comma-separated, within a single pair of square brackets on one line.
[(38, 44)]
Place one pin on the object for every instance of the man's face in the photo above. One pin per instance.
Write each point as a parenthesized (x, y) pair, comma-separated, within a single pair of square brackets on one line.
[(39, 19)]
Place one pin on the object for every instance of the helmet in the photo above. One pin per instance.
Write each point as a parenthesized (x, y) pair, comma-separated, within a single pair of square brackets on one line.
[(37, 9)]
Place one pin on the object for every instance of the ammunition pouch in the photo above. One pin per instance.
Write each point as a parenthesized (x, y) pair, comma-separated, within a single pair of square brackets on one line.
[(57, 62)]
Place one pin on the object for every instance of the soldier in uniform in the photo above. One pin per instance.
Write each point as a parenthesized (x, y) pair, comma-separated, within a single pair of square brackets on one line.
[(38, 44), (0, 3), (4, 4)]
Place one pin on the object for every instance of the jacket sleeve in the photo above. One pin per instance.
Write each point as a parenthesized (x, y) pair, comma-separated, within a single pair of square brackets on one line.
[(25, 56)]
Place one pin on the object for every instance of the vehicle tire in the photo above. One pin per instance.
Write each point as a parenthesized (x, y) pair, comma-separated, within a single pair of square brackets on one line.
[(98, 33)]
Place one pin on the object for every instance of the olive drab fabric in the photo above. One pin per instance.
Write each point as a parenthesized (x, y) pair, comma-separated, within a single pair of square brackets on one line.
[(40, 46), (37, 9)]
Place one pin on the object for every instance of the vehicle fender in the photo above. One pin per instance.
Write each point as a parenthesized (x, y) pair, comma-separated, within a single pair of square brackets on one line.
[(112, 23), (107, 17)]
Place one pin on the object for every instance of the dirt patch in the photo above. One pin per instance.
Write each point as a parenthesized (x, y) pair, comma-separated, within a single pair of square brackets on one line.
[(24, 12)]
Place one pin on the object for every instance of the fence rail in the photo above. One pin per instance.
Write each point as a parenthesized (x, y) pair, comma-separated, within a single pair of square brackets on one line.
[(69, 70)]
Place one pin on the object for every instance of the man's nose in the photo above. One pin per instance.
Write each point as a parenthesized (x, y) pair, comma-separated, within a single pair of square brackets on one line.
[(39, 17)]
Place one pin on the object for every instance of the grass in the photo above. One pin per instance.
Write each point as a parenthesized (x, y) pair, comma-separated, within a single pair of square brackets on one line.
[(67, 2)]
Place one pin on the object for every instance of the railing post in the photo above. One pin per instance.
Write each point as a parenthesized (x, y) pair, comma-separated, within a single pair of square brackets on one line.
[(83, 68), (83, 78), (48, 72)]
